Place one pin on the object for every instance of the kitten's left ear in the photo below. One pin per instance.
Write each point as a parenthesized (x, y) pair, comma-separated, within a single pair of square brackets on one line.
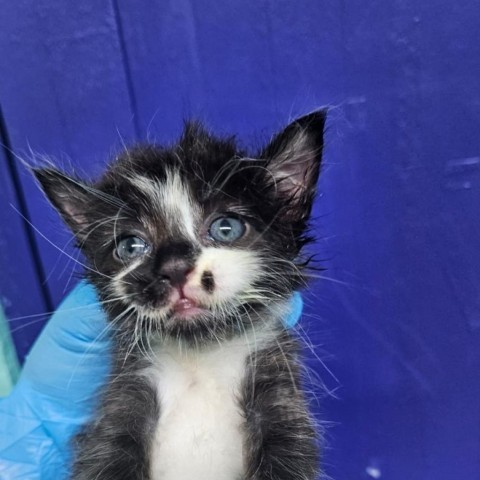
[(293, 160)]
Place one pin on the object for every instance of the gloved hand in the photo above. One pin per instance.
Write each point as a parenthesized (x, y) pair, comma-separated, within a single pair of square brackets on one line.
[(56, 391)]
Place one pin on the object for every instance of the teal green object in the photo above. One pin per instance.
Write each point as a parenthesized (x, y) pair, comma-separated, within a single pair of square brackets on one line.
[(9, 367), (56, 391)]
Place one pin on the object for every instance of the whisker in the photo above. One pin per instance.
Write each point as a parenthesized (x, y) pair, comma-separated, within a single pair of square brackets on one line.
[(57, 247), (88, 305)]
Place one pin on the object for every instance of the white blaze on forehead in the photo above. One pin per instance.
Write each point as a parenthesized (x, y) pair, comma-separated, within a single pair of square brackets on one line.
[(172, 197)]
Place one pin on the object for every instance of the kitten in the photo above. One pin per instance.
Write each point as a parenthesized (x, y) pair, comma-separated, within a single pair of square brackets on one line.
[(195, 250)]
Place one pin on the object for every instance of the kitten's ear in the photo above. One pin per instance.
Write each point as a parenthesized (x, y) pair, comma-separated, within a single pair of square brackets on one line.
[(293, 159), (68, 195)]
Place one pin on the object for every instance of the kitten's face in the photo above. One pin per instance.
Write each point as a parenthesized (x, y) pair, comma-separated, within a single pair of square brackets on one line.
[(197, 241)]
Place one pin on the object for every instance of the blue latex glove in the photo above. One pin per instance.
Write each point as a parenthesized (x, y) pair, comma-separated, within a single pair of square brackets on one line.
[(296, 308), (55, 393)]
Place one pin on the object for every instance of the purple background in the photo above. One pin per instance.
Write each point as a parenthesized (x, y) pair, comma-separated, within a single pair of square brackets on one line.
[(397, 320)]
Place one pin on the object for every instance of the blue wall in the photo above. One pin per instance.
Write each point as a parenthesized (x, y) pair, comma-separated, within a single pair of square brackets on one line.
[(397, 320)]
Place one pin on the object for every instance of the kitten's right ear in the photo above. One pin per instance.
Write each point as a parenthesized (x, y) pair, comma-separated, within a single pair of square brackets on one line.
[(68, 195)]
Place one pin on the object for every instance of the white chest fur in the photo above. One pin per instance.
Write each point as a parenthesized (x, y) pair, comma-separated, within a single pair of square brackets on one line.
[(200, 432)]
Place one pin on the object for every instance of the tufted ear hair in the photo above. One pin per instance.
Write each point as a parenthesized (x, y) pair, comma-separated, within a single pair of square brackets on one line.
[(68, 195), (293, 160)]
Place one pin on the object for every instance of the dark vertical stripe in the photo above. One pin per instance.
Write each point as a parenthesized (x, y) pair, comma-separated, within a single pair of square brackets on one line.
[(126, 67), (6, 146)]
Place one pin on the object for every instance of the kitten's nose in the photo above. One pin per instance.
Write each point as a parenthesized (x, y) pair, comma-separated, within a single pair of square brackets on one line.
[(176, 271)]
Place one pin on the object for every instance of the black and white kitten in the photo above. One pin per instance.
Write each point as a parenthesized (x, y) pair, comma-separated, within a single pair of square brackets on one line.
[(195, 250)]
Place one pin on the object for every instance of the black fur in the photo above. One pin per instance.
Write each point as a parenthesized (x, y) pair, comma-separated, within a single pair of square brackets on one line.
[(272, 192), (115, 444), (282, 443)]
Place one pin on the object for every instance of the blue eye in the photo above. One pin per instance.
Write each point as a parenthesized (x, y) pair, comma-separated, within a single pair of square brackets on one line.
[(130, 248), (227, 229)]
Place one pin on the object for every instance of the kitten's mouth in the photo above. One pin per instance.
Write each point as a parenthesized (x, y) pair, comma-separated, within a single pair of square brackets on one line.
[(184, 307), (187, 308)]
